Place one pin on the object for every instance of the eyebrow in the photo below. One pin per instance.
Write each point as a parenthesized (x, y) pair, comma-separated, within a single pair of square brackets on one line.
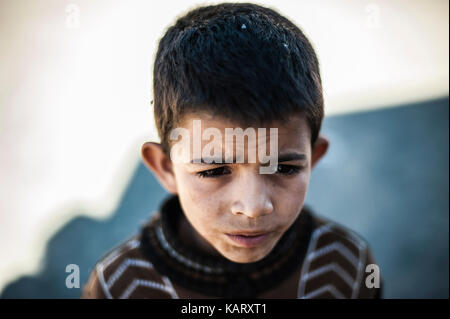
[(282, 158), (291, 157)]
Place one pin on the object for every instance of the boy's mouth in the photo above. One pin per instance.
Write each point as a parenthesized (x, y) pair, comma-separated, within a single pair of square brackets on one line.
[(248, 239)]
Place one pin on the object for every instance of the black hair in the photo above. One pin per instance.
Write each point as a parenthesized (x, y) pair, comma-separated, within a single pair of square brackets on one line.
[(238, 60)]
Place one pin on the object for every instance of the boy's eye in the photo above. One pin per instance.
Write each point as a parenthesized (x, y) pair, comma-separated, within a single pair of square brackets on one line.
[(288, 169), (215, 172)]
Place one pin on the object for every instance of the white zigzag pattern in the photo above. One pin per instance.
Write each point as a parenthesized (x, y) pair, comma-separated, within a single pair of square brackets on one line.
[(331, 267), (151, 284), (336, 246), (344, 251), (140, 282), (125, 264), (132, 244), (330, 288)]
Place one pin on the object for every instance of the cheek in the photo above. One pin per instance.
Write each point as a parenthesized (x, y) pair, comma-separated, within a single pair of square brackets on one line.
[(198, 193), (198, 199), (290, 196)]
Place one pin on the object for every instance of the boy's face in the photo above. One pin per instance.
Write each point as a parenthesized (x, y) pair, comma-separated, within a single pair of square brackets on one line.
[(234, 209)]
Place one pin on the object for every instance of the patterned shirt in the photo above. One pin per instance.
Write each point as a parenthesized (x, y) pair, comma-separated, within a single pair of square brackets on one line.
[(315, 258)]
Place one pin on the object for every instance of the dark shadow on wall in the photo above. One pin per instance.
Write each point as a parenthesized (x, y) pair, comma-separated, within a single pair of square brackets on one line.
[(385, 176)]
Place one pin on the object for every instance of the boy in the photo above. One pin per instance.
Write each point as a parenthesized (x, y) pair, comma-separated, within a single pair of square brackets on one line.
[(232, 226)]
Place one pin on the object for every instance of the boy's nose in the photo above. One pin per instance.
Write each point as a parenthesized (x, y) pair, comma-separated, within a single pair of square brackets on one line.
[(252, 197)]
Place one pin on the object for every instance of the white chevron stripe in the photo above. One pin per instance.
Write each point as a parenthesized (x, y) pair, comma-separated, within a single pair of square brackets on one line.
[(167, 287), (330, 288), (101, 278), (132, 244), (125, 264), (101, 266), (331, 267), (170, 287), (146, 283), (312, 253), (335, 246)]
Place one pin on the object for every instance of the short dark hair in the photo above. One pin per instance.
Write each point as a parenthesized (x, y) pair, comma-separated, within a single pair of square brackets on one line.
[(242, 61)]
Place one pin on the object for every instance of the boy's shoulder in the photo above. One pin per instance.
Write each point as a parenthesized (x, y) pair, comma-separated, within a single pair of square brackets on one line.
[(328, 232), (124, 272), (335, 263)]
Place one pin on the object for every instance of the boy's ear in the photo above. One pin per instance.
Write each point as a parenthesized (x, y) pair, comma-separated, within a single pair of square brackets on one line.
[(160, 164), (319, 149)]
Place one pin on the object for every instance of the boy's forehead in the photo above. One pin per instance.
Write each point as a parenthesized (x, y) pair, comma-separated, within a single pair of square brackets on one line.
[(292, 134), (294, 124)]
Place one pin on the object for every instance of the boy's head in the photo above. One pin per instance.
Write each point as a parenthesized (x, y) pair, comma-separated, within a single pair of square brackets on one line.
[(237, 65)]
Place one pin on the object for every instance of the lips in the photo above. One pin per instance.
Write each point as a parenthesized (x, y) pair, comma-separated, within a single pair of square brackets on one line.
[(248, 239), (248, 233)]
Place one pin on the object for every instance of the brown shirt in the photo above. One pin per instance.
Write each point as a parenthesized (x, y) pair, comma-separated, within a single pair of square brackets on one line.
[(317, 259)]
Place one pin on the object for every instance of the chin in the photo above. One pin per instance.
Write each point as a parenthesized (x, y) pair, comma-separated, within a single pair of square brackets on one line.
[(245, 259)]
